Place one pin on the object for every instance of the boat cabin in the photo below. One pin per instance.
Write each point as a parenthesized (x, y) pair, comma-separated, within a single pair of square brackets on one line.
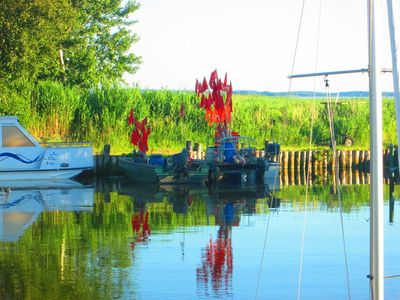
[(20, 152)]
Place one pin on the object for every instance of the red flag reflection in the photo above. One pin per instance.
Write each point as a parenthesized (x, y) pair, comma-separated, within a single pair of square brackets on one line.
[(215, 273), (140, 227)]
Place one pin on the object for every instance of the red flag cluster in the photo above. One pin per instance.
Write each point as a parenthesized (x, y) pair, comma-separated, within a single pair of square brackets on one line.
[(216, 98), (140, 134)]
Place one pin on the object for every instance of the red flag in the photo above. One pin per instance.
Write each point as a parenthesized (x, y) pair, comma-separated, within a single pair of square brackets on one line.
[(135, 137), (144, 123), (216, 99), (209, 101), (143, 147), (204, 86), (131, 118), (139, 125), (213, 78)]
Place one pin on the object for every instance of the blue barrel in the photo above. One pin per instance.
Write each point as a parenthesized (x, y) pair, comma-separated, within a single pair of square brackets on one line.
[(229, 151), (229, 213), (156, 159)]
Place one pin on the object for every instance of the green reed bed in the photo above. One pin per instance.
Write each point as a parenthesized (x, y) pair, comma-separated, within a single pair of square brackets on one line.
[(54, 112)]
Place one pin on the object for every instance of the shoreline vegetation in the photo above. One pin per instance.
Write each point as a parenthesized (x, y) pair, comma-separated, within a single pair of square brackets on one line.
[(54, 112)]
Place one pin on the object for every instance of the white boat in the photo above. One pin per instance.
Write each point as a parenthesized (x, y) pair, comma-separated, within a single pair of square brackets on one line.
[(22, 157)]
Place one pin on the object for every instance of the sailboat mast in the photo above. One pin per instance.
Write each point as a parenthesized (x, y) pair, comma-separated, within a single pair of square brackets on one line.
[(376, 163), (395, 67)]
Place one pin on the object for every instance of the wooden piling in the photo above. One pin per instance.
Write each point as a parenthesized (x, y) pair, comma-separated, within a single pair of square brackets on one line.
[(291, 160), (285, 159), (356, 159), (292, 178), (315, 162), (367, 157), (362, 159), (342, 160), (349, 159), (309, 160)]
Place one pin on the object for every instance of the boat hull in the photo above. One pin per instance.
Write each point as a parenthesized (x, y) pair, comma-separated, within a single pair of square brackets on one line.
[(39, 174), (143, 172), (267, 172)]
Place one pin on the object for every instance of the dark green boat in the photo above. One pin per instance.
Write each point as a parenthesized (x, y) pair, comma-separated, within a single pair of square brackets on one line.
[(175, 169)]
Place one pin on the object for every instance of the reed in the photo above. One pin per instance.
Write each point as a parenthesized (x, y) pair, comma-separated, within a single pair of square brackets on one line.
[(54, 112)]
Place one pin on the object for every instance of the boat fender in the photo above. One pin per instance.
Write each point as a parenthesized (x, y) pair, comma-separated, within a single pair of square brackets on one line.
[(238, 159), (170, 162)]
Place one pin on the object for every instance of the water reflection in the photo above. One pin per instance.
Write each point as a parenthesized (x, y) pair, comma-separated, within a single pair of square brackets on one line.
[(181, 197), (22, 202), (140, 227), (166, 242), (346, 177), (214, 276)]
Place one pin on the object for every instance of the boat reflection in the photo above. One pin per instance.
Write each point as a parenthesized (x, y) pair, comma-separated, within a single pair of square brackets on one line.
[(224, 207), (181, 196), (214, 275), (20, 205)]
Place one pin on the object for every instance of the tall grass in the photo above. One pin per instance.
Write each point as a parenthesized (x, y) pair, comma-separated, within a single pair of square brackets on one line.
[(54, 112)]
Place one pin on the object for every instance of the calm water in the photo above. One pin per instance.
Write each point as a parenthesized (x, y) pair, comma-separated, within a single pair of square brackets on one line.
[(114, 240)]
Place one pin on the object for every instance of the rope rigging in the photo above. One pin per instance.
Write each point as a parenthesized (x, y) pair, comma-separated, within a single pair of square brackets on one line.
[(275, 179), (337, 179), (308, 174)]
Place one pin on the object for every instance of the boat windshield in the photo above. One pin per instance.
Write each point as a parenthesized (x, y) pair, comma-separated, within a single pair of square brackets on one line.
[(14, 137)]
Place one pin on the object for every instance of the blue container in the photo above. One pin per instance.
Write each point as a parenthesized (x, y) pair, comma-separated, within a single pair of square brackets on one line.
[(229, 213), (229, 151), (156, 159)]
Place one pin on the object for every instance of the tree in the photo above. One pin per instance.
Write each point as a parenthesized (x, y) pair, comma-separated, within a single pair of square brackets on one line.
[(99, 48), (30, 36), (80, 42)]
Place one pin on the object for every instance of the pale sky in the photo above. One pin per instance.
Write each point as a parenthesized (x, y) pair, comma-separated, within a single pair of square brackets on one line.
[(254, 42)]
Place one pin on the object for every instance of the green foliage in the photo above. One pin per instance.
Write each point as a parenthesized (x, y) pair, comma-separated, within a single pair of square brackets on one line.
[(98, 49), (55, 112), (31, 33), (80, 42)]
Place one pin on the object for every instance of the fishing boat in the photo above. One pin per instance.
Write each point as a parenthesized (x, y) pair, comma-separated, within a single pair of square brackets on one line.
[(156, 168), (159, 169), (22, 157), (234, 159)]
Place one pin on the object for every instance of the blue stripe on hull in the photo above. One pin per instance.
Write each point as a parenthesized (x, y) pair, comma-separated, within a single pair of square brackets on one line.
[(18, 157)]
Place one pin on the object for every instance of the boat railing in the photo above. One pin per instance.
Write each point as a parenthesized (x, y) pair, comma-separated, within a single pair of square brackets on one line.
[(235, 139), (65, 144), (4, 195)]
